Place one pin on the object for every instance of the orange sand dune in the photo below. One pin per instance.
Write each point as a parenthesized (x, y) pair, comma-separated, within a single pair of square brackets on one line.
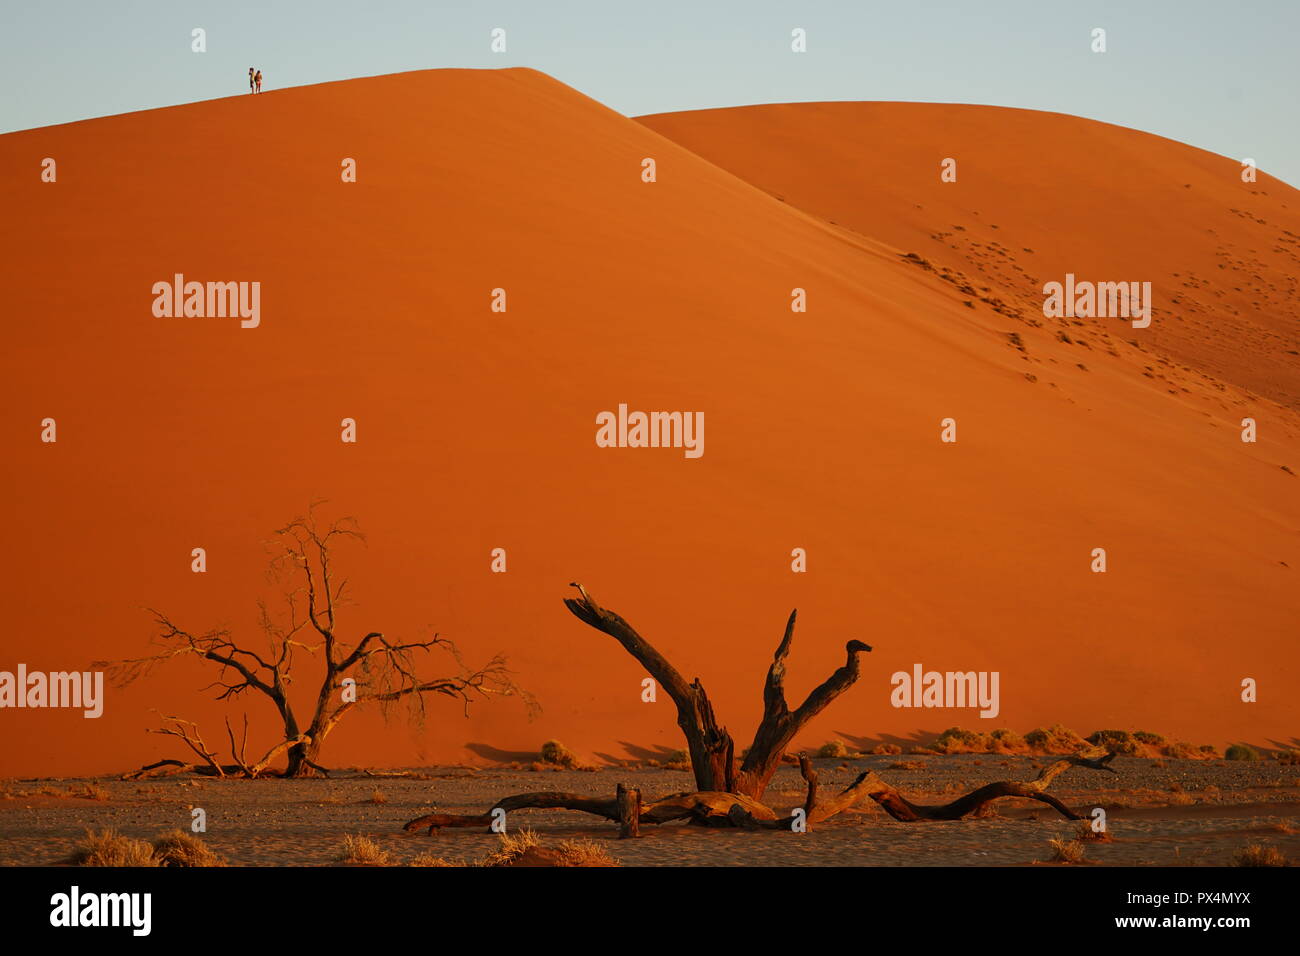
[(477, 429), (1038, 195)]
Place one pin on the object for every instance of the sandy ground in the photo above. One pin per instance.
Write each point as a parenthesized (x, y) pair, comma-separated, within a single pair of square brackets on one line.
[(1186, 813)]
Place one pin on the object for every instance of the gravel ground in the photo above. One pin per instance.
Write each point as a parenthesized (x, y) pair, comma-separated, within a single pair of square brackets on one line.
[(1186, 812)]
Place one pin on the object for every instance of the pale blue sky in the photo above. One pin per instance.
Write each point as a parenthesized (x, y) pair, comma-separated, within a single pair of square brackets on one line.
[(1220, 75)]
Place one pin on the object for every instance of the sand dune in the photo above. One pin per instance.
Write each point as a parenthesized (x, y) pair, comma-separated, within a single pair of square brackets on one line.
[(1038, 195), (476, 429)]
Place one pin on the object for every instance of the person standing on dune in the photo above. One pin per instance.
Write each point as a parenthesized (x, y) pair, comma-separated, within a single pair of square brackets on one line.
[(259, 81), (251, 87)]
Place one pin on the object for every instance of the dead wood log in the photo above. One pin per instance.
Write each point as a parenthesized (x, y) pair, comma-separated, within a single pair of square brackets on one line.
[(720, 808), (897, 806), (629, 811), (707, 808)]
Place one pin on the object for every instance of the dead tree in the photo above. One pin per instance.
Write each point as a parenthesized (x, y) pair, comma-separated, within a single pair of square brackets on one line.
[(731, 795), (374, 671), (711, 747)]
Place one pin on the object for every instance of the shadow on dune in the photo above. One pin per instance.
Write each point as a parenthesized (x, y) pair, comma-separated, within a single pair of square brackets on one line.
[(919, 738), (488, 752)]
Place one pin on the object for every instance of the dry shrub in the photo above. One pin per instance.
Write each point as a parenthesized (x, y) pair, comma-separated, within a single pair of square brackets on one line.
[(1241, 752), (512, 847), (1065, 851), (89, 791), (907, 765), (833, 749), (886, 750), (955, 740), (377, 797), (362, 851), (585, 853), (429, 859), (110, 848), (1055, 739), (554, 752), (178, 848), (677, 760), (1086, 834), (525, 848), (1259, 855), (1118, 741), (1007, 741)]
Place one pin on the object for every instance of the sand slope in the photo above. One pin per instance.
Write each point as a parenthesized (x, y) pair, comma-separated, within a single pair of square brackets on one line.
[(1037, 195), (476, 429)]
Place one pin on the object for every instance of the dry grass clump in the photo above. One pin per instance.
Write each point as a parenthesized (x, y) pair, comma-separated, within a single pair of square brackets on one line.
[(558, 755), (377, 796), (1065, 851), (834, 749), (178, 848), (1086, 834), (173, 848), (677, 760), (886, 750), (1006, 741), (512, 847), (1259, 855), (362, 851), (88, 790), (1241, 752), (429, 859), (1055, 739), (525, 849), (109, 848), (955, 740), (584, 853), (1119, 741), (907, 765)]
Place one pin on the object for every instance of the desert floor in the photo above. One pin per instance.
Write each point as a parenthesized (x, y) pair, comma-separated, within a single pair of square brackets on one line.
[(1184, 813)]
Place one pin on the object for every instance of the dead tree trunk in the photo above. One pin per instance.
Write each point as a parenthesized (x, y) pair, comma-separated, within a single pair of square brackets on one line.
[(711, 747), (628, 800), (731, 796)]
